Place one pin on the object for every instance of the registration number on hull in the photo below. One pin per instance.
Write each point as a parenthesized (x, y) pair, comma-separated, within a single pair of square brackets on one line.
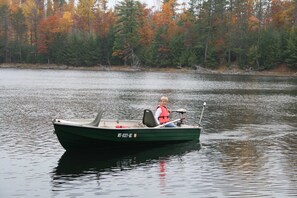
[(127, 135)]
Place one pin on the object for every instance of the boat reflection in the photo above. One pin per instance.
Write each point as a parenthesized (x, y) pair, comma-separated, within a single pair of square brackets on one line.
[(73, 165)]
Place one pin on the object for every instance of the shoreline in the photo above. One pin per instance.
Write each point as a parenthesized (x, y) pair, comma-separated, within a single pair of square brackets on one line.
[(223, 70)]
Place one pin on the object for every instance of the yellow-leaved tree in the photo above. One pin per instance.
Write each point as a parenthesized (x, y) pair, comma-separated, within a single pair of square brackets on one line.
[(85, 12), (33, 12)]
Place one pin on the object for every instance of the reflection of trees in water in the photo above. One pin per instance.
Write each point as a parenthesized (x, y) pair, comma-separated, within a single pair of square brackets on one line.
[(242, 157), (266, 163), (288, 150), (250, 104), (242, 165), (241, 103)]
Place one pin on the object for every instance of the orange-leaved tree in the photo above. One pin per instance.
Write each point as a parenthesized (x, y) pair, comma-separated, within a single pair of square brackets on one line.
[(52, 26)]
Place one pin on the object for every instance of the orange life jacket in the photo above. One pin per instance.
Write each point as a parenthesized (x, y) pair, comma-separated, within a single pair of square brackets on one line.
[(164, 116)]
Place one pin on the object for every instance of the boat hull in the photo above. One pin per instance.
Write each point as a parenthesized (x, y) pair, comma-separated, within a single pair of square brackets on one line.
[(78, 137)]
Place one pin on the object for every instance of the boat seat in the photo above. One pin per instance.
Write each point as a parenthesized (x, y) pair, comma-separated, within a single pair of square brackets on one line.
[(97, 119), (149, 119)]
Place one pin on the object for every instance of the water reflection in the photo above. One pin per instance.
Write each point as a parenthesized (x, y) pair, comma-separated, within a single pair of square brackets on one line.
[(76, 166)]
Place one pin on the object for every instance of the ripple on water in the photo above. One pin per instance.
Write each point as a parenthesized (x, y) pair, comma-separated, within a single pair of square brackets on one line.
[(248, 142)]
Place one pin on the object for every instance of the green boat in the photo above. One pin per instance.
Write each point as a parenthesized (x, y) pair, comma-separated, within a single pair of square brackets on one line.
[(103, 135)]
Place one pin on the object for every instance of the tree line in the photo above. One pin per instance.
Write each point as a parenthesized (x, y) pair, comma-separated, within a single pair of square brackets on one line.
[(253, 34)]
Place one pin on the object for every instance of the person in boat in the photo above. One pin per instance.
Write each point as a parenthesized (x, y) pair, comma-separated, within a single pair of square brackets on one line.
[(162, 113)]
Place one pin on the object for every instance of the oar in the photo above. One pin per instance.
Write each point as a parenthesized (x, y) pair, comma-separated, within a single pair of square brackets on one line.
[(204, 104), (159, 126)]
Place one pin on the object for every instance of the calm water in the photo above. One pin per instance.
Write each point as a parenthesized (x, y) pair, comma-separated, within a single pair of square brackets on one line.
[(248, 147)]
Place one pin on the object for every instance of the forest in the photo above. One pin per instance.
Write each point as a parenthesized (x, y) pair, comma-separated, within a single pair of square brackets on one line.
[(253, 34)]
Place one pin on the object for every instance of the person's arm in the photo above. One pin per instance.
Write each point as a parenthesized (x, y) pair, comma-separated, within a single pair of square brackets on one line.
[(157, 114)]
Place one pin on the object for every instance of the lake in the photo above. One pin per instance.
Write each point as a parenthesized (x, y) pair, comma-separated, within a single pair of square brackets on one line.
[(248, 147)]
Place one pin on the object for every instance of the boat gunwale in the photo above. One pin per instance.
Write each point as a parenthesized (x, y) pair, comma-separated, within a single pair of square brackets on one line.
[(81, 125)]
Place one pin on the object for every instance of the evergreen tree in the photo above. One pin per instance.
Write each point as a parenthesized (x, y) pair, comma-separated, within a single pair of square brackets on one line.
[(126, 32), (106, 49), (57, 49), (73, 50), (291, 52), (161, 51), (4, 39), (270, 49)]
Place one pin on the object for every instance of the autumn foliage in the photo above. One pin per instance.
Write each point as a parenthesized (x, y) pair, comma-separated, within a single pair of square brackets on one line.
[(252, 34)]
